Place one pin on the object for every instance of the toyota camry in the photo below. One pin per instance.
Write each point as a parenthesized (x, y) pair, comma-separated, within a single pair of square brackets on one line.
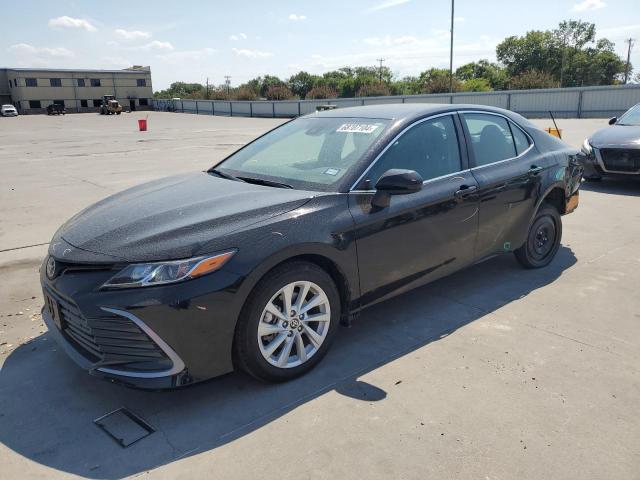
[(254, 263)]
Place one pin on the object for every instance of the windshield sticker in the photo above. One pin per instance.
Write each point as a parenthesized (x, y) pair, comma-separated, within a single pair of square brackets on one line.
[(357, 128), (332, 171)]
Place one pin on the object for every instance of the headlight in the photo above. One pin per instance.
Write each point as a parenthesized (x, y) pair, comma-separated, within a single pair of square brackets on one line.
[(149, 274), (586, 147)]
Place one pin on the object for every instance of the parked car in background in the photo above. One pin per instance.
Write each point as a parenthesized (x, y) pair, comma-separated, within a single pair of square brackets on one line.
[(56, 109), (8, 111), (254, 263), (614, 150)]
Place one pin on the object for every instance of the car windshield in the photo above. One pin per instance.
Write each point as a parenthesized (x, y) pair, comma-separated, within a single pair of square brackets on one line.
[(631, 117), (307, 153)]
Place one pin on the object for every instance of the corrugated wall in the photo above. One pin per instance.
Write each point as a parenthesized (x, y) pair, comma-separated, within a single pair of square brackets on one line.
[(583, 102)]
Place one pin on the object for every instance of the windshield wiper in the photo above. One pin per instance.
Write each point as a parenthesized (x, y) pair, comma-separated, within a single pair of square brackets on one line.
[(262, 181), (228, 176)]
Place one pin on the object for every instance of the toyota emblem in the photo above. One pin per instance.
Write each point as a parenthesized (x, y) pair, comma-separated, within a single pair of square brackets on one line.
[(51, 268)]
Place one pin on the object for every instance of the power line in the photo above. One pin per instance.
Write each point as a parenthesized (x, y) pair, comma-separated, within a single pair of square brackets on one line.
[(630, 41), (380, 71)]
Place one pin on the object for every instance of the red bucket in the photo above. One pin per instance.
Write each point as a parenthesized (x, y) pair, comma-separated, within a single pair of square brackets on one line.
[(142, 124)]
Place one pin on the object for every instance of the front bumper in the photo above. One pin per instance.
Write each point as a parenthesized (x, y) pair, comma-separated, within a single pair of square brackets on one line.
[(153, 337)]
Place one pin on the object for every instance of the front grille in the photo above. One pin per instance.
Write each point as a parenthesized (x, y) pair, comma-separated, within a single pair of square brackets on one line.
[(109, 340), (621, 160)]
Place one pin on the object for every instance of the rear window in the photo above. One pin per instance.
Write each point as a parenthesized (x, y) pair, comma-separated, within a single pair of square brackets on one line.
[(491, 138)]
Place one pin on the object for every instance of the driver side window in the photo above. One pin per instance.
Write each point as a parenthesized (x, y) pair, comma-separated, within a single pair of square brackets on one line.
[(430, 148)]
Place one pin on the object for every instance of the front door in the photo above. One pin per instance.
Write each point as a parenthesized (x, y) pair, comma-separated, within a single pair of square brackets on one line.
[(421, 236), (132, 105)]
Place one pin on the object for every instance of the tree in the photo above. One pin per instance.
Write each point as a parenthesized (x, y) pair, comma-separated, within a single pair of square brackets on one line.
[(321, 92), (568, 54), (476, 85), (374, 90), (182, 90), (436, 80), (532, 79), (493, 73), (301, 83), (279, 92)]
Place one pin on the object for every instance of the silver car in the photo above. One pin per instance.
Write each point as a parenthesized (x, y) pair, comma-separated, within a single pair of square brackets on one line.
[(8, 111)]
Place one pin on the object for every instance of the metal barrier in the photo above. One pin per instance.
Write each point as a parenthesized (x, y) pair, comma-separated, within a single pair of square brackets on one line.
[(578, 102)]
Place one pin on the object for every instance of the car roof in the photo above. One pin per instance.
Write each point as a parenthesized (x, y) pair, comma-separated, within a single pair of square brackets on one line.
[(8, 105), (404, 111)]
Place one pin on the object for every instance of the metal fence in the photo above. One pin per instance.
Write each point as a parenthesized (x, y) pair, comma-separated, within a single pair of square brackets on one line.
[(579, 102)]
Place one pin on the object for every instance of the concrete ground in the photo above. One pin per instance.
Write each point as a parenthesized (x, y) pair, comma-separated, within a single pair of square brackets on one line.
[(495, 372)]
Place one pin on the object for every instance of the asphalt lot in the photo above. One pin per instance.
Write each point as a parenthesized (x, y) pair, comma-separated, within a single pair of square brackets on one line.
[(492, 373)]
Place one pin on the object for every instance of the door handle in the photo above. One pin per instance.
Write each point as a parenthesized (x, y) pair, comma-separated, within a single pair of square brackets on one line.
[(535, 170), (465, 191)]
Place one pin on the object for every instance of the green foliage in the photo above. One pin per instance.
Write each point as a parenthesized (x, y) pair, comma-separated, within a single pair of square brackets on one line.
[(301, 83), (182, 90), (279, 92), (568, 54), (321, 92), (495, 74), (532, 79), (374, 90), (436, 80), (476, 85)]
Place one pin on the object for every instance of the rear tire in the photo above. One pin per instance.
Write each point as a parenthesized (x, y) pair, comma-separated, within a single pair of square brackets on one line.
[(543, 238), (276, 345)]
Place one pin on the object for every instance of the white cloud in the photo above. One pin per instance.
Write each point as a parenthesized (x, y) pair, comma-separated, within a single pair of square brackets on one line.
[(295, 18), (156, 45), (239, 36), (407, 54), (116, 62), (458, 19), (388, 40), (388, 4), (131, 34), (70, 22), (186, 55), (588, 5), (244, 52), (29, 50)]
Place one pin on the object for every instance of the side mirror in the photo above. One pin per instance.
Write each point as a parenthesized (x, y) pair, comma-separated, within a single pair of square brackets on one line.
[(395, 182), (613, 120)]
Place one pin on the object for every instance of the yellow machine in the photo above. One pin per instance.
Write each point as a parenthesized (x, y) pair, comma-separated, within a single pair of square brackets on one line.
[(110, 106)]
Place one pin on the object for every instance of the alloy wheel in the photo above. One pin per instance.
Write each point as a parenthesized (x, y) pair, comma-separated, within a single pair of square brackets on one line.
[(294, 324)]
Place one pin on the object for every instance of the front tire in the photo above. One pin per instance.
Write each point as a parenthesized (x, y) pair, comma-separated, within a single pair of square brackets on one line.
[(543, 238), (288, 322)]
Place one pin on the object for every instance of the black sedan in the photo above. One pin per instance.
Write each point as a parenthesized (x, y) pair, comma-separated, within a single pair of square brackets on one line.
[(253, 264), (614, 150)]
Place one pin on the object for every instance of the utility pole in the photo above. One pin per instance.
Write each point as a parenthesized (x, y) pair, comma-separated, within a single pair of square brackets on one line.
[(227, 81), (630, 41), (451, 50), (207, 93), (380, 71)]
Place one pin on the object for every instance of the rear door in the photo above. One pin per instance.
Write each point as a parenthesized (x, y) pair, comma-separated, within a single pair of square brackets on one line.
[(423, 235), (506, 165)]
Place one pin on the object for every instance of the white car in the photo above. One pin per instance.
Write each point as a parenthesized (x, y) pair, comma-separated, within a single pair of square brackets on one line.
[(8, 111)]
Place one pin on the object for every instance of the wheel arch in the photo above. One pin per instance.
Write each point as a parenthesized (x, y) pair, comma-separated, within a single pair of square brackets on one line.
[(555, 196), (324, 261)]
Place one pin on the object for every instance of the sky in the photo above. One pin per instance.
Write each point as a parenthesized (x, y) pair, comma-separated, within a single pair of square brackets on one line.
[(190, 41)]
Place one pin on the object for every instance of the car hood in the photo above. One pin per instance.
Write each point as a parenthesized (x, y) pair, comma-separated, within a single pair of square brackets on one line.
[(616, 136), (174, 217)]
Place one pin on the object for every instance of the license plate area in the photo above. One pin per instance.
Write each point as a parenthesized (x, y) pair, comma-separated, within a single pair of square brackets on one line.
[(54, 309)]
